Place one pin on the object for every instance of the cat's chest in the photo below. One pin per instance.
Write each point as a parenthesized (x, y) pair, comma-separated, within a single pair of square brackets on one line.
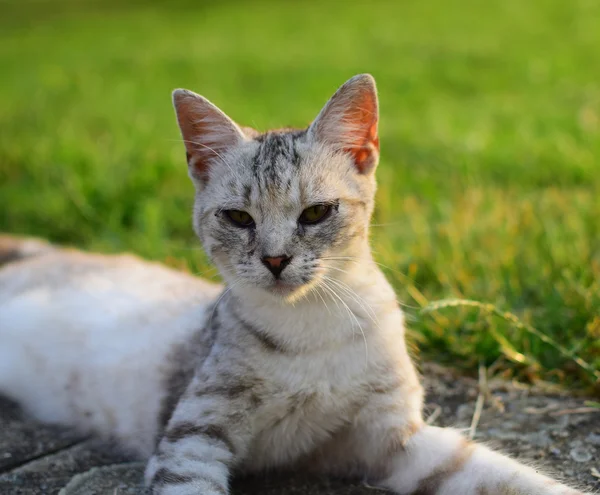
[(304, 405)]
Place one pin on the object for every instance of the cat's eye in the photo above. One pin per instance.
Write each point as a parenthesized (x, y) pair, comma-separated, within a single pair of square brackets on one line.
[(239, 218), (315, 214)]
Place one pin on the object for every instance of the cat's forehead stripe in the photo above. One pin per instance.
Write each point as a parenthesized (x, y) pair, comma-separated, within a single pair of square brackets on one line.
[(276, 161), (276, 145)]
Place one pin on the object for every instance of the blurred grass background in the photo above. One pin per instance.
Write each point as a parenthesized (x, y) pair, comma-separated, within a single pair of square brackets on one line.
[(489, 178)]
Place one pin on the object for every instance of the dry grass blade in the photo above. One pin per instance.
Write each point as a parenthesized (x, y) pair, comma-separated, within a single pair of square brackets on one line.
[(515, 321), (434, 415), (483, 391), (576, 410)]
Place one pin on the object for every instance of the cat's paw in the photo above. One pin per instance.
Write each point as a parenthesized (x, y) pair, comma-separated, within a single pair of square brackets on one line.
[(163, 479), (196, 487)]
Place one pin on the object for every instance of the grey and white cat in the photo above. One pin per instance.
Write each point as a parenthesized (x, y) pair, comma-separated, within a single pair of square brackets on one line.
[(300, 360)]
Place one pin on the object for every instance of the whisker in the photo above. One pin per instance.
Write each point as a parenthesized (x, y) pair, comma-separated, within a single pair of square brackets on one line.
[(318, 292), (353, 316), (334, 300), (227, 291), (388, 224), (329, 291), (215, 152), (337, 268), (359, 260), (196, 143), (356, 298)]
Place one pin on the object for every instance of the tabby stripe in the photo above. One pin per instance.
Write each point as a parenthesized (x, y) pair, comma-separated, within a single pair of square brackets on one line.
[(431, 484), (267, 342), (232, 391), (214, 432), (165, 476), (215, 486)]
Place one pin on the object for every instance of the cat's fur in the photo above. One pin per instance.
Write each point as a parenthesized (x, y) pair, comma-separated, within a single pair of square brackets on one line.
[(310, 369)]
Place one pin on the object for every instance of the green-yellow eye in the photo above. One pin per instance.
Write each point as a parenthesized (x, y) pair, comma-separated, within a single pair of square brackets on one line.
[(314, 214), (240, 218)]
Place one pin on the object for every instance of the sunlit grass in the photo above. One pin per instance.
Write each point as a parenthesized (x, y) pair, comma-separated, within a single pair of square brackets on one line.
[(489, 180)]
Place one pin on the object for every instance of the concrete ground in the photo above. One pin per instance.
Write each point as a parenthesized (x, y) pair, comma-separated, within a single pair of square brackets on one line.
[(553, 430)]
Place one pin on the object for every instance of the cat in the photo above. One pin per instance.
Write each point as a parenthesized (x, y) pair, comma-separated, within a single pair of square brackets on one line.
[(299, 361)]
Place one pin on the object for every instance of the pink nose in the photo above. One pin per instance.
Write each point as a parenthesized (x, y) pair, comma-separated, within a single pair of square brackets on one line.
[(276, 264)]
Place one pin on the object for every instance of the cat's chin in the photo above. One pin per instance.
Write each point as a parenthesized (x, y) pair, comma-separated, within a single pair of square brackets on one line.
[(283, 289), (286, 291)]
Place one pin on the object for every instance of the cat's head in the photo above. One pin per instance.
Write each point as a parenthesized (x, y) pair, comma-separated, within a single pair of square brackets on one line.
[(283, 211)]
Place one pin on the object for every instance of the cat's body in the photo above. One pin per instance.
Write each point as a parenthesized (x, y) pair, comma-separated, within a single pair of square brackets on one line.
[(103, 370), (300, 361)]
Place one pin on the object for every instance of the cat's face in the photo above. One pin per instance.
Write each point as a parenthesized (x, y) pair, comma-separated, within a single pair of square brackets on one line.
[(281, 211)]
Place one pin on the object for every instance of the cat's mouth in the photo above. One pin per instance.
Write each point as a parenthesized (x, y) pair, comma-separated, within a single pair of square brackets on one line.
[(290, 292), (283, 288)]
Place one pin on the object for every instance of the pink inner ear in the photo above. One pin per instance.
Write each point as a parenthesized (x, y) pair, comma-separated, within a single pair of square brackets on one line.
[(207, 132), (364, 146), (201, 142), (202, 152)]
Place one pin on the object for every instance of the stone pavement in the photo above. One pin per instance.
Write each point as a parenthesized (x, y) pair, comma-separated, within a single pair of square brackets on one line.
[(555, 431)]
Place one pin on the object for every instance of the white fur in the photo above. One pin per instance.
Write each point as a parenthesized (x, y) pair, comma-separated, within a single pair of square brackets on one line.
[(88, 353)]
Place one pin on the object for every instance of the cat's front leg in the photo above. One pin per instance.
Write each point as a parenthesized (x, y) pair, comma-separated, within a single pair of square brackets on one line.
[(414, 458), (206, 437)]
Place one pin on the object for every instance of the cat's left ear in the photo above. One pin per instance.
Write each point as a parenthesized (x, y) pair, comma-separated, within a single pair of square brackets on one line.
[(348, 122)]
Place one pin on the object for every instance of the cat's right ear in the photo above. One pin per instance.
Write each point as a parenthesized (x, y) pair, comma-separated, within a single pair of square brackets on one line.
[(207, 132), (349, 120)]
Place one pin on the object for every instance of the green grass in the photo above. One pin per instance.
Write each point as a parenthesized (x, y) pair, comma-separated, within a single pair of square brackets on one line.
[(490, 129)]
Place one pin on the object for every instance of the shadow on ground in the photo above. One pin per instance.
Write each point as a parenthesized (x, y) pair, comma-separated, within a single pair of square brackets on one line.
[(553, 430)]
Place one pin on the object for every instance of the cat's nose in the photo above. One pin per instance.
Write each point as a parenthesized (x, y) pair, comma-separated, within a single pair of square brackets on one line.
[(276, 264)]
